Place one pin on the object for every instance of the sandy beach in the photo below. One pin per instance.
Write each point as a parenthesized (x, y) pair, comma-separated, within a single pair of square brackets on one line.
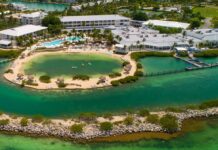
[(17, 66)]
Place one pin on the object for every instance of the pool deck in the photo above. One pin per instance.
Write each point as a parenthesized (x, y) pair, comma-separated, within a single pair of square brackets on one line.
[(16, 66)]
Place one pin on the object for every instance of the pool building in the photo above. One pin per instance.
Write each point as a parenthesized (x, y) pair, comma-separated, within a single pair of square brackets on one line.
[(86, 23), (8, 37)]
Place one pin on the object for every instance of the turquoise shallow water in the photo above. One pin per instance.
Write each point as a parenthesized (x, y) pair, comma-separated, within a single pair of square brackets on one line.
[(42, 6), (204, 139), (152, 92), (61, 65), (151, 65)]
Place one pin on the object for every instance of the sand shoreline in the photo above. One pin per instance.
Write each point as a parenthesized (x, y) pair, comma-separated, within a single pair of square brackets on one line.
[(71, 84)]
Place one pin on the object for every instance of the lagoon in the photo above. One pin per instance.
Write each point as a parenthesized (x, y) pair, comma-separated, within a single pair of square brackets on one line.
[(41, 6), (68, 65)]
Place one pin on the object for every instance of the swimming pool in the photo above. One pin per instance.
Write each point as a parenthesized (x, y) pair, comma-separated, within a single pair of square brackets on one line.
[(58, 42)]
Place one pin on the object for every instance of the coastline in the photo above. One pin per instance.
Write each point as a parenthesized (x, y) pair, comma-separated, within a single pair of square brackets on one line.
[(60, 128), (70, 84)]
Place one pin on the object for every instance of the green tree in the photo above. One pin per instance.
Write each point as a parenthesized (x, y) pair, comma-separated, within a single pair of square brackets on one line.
[(195, 23), (53, 23), (138, 15)]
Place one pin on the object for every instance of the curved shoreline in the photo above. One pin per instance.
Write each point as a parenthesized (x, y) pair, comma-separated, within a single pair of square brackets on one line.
[(60, 128), (92, 83)]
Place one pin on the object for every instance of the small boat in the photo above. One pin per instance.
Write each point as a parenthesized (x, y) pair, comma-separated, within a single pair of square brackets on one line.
[(89, 63), (74, 67), (83, 64)]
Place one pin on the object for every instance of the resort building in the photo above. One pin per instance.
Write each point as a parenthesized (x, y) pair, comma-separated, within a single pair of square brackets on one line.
[(8, 37), (34, 18), (136, 39), (85, 23), (19, 7), (167, 24), (209, 36)]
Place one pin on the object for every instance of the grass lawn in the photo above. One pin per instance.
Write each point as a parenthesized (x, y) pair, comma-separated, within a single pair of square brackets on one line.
[(208, 11)]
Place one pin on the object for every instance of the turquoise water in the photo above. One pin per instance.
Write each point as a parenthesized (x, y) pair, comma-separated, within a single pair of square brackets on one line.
[(58, 42), (209, 60), (68, 65), (41, 6), (204, 139), (176, 89), (151, 65)]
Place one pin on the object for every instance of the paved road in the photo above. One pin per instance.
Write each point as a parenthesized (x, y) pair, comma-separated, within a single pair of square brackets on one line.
[(207, 23)]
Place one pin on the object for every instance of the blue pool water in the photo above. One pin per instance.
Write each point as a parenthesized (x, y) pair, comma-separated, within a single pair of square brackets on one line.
[(58, 42)]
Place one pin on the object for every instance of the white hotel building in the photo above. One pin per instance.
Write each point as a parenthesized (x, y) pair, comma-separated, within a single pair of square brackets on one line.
[(34, 18), (86, 23), (8, 37)]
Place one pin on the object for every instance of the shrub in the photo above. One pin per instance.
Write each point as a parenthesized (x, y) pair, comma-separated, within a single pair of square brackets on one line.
[(61, 85), (37, 118), (76, 128), (143, 112), (138, 73), (115, 83), (128, 120), (114, 75), (138, 55), (128, 79), (106, 126), (209, 104), (175, 109), (207, 53), (125, 63), (139, 66), (24, 122), (169, 123), (45, 79), (153, 119), (87, 117), (80, 77), (4, 122), (9, 71), (10, 53)]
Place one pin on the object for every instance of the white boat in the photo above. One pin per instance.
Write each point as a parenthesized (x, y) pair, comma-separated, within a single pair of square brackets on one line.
[(74, 67)]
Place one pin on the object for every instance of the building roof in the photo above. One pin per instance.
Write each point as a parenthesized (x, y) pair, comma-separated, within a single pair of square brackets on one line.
[(33, 15), (92, 18), (142, 36), (204, 34), (171, 24), (22, 30)]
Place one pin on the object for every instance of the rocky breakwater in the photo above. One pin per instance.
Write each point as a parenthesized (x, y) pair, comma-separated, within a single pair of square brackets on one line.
[(62, 128)]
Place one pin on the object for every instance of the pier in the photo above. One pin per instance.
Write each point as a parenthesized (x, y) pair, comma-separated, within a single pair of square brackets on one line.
[(196, 65)]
